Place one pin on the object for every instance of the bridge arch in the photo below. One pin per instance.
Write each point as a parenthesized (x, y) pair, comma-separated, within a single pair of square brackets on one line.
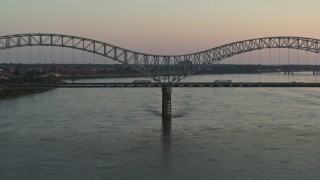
[(161, 68)]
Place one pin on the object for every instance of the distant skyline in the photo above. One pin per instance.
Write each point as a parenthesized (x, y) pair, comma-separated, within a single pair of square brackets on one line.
[(166, 26)]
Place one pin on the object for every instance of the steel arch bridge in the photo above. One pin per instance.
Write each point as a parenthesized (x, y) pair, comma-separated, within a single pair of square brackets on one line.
[(161, 68)]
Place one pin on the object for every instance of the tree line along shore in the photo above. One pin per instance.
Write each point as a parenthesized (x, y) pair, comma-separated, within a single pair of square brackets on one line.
[(9, 93), (28, 77)]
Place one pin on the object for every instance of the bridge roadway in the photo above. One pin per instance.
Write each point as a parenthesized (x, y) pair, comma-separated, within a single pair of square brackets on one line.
[(155, 85)]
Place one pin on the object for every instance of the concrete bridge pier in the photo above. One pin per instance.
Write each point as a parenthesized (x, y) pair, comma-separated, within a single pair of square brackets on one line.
[(288, 72), (166, 104)]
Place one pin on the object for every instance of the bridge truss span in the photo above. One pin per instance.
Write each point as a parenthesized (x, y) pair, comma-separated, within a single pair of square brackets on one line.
[(161, 68)]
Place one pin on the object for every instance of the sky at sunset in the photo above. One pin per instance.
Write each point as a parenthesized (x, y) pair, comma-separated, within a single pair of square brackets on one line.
[(163, 26)]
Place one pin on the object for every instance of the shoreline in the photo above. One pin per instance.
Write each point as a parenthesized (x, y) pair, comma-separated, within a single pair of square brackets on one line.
[(11, 93)]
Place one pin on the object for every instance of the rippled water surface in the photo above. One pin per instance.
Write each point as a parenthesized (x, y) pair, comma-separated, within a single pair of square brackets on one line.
[(217, 133)]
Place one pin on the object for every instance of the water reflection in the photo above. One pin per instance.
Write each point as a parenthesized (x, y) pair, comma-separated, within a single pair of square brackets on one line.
[(166, 147), (166, 133)]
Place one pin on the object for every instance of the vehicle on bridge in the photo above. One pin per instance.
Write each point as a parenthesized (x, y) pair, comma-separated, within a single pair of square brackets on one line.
[(222, 82)]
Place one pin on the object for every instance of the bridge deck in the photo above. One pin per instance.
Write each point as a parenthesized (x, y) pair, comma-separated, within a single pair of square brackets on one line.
[(155, 85)]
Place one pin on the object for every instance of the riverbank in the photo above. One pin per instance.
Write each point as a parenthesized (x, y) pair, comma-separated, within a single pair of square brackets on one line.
[(9, 93)]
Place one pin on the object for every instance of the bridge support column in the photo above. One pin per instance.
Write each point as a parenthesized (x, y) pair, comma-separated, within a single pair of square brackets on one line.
[(166, 104)]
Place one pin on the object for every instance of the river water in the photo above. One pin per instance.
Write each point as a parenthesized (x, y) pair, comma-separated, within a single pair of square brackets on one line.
[(216, 133)]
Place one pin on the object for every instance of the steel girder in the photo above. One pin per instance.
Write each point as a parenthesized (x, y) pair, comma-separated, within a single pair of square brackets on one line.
[(163, 69)]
